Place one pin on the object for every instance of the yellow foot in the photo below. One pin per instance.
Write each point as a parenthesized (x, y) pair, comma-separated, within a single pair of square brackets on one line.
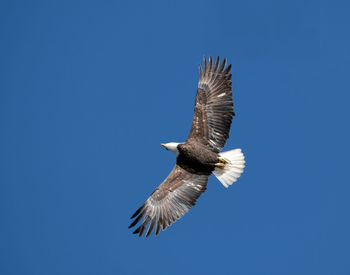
[(222, 160), (220, 165)]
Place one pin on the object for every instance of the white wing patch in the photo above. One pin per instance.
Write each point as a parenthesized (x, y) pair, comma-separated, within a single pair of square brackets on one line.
[(221, 95)]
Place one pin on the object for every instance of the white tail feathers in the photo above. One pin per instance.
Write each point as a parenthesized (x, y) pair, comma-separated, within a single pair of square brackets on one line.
[(233, 167)]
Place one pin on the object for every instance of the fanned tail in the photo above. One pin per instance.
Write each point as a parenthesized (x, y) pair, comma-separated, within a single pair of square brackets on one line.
[(233, 168)]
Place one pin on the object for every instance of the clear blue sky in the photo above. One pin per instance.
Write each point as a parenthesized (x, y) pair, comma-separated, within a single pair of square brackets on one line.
[(89, 90)]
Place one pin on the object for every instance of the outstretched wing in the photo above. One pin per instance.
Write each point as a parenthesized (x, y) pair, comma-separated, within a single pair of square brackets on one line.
[(170, 201), (213, 110)]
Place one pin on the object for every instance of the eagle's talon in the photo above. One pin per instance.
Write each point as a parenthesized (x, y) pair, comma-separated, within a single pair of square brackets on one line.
[(222, 160), (220, 165)]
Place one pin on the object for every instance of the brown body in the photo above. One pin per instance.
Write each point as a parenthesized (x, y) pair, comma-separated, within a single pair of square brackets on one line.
[(195, 157)]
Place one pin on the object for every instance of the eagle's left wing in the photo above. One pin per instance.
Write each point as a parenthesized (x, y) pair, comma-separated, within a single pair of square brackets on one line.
[(170, 201), (213, 110)]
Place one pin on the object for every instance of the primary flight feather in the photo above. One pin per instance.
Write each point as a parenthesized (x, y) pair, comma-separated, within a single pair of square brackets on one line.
[(199, 156)]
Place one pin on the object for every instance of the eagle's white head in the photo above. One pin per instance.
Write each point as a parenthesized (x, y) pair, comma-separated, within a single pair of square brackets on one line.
[(172, 146)]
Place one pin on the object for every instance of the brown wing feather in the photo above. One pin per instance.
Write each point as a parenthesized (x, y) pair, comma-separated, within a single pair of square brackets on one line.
[(213, 106), (170, 201)]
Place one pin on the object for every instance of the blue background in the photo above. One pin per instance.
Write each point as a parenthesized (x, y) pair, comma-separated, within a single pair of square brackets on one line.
[(89, 90)]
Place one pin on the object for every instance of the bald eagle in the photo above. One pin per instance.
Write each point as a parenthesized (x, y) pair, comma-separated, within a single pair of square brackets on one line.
[(199, 156)]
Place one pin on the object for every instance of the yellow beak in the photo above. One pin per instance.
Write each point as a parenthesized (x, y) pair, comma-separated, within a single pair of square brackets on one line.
[(163, 145)]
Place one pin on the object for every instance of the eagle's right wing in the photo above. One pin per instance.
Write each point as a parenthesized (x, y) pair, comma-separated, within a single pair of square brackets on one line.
[(170, 201), (213, 110)]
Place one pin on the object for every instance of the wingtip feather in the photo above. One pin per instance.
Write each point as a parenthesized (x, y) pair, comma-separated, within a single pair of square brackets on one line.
[(137, 212), (228, 69)]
